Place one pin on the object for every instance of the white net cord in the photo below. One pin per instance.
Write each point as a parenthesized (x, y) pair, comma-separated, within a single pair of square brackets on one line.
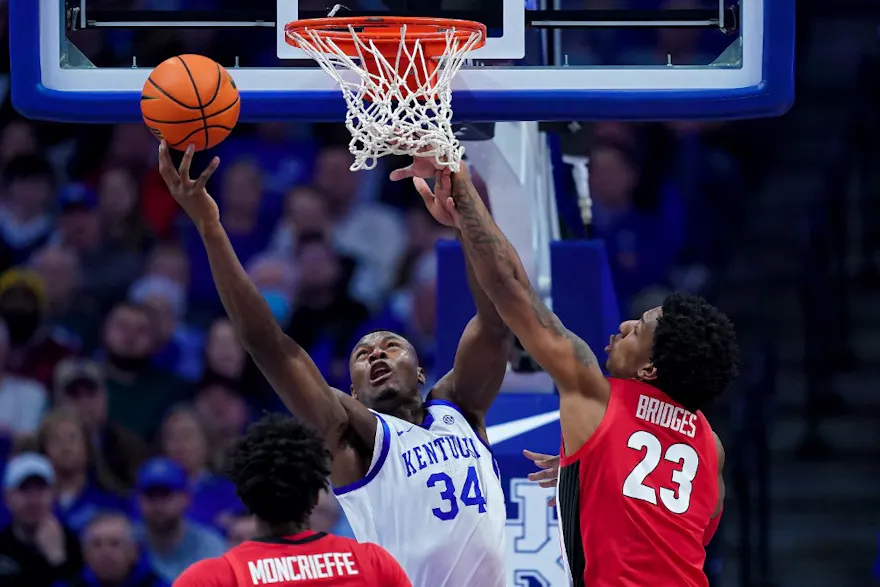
[(385, 115)]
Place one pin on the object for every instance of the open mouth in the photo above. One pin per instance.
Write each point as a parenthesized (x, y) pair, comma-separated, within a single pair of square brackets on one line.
[(379, 372)]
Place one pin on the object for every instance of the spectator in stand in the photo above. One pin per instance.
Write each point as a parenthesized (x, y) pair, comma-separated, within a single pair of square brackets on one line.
[(326, 317), (22, 401), (79, 385), (305, 213), (107, 268), (641, 249), (240, 202), (72, 315), (169, 260), (275, 277), (35, 549), (35, 347), (113, 557), (179, 345), (240, 529), (223, 410), (172, 542), (25, 216), (83, 484), (370, 233), (139, 393), (225, 358), (17, 139), (411, 311), (328, 517), (185, 440), (422, 234), (122, 223), (283, 161)]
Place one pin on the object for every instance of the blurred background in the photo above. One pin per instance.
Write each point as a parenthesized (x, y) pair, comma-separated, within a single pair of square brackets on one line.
[(122, 384)]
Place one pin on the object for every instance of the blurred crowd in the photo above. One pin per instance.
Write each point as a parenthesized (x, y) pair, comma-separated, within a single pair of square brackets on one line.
[(122, 384)]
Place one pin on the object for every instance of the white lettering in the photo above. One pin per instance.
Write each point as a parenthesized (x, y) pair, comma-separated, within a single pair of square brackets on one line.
[(666, 415), (643, 407), (676, 419), (325, 565), (350, 569)]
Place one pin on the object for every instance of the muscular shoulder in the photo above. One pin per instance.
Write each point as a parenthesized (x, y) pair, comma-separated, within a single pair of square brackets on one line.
[(210, 572)]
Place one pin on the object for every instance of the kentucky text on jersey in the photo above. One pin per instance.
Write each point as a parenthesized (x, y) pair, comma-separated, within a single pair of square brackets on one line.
[(670, 416), (438, 450), (268, 571)]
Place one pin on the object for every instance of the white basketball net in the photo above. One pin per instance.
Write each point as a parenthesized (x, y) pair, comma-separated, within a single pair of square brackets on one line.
[(385, 115)]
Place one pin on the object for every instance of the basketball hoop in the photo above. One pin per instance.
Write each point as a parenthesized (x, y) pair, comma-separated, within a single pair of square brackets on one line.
[(400, 102)]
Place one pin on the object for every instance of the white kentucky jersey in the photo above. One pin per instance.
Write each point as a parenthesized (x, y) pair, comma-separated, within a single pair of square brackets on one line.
[(432, 497)]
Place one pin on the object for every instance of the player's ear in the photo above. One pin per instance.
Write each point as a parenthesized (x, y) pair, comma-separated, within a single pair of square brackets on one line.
[(647, 372), (421, 376)]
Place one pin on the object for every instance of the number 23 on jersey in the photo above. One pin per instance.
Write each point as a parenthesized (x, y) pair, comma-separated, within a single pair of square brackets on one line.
[(675, 494)]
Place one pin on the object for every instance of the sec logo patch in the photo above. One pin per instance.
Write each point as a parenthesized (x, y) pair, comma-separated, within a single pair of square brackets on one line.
[(448, 420)]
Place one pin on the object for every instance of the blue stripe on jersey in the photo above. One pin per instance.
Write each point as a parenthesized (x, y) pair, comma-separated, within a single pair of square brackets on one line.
[(383, 454), (450, 405), (428, 421)]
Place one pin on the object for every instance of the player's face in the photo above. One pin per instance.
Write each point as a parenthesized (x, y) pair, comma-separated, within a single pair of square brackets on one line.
[(629, 351), (384, 371)]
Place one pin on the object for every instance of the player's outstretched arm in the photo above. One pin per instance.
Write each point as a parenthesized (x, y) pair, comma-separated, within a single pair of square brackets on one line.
[(564, 355), (484, 347), (286, 365)]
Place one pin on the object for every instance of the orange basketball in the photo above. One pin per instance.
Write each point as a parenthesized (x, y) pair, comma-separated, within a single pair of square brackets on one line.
[(190, 99)]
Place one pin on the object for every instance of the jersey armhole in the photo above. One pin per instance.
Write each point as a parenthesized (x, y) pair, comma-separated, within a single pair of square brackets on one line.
[(594, 439), (381, 446)]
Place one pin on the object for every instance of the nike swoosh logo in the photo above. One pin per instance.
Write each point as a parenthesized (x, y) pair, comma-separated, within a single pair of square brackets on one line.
[(402, 432), (501, 432)]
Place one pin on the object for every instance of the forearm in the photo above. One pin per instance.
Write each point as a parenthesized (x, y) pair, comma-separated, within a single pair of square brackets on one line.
[(503, 278), (491, 258), (486, 311), (244, 304)]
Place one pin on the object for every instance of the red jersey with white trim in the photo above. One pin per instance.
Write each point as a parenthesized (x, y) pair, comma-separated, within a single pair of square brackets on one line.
[(308, 558), (636, 499)]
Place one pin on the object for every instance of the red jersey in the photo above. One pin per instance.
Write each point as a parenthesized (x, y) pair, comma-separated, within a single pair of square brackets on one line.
[(636, 499), (308, 558)]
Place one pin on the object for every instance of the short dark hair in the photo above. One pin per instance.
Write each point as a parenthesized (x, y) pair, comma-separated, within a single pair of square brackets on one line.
[(279, 468), (25, 167), (695, 351)]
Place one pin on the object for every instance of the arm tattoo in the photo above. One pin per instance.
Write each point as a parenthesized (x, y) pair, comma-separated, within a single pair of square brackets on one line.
[(548, 320), (498, 266)]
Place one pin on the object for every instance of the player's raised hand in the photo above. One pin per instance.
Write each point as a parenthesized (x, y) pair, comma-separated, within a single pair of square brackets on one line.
[(190, 194), (439, 201), (549, 472), (423, 167)]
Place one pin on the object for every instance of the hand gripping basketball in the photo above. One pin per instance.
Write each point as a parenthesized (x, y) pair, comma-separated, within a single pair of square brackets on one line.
[(190, 194)]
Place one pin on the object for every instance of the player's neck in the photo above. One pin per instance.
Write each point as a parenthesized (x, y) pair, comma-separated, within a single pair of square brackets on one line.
[(266, 530), (412, 412)]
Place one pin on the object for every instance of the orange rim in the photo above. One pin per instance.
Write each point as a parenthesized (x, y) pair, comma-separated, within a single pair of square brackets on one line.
[(385, 31)]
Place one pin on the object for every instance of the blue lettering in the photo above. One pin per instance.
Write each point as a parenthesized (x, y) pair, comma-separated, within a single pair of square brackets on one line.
[(453, 448), (430, 453), (463, 447), (407, 463), (473, 447), (438, 442), (422, 463)]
